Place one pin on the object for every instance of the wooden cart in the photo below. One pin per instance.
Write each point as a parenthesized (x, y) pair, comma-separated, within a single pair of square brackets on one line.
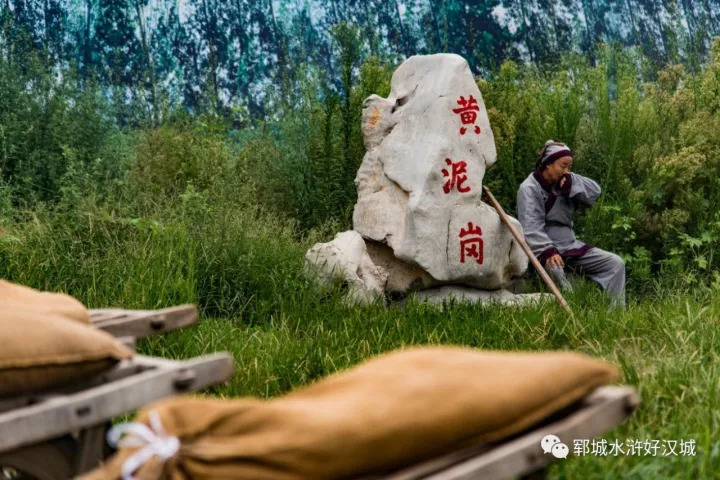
[(60, 433), (521, 455)]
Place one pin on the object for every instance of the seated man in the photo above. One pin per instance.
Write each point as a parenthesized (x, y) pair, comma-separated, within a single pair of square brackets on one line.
[(546, 202)]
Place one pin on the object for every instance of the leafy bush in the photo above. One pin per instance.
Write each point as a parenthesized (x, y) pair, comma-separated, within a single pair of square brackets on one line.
[(169, 158), (48, 120)]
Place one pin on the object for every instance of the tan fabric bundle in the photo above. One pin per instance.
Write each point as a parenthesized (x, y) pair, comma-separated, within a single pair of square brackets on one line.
[(18, 297), (41, 350), (391, 411)]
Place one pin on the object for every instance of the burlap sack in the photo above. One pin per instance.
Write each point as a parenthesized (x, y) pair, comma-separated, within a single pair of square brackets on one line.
[(387, 413), (18, 297), (40, 350)]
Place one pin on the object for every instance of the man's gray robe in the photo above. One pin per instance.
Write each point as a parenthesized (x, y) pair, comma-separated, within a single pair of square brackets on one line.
[(546, 211)]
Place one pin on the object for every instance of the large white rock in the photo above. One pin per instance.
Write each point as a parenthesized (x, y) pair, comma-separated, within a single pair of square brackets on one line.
[(420, 183)]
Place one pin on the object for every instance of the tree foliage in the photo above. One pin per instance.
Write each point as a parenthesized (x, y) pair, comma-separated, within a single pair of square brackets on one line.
[(224, 57)]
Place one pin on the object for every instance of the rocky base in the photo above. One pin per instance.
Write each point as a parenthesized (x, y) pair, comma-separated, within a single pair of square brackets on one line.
[(473, 295)]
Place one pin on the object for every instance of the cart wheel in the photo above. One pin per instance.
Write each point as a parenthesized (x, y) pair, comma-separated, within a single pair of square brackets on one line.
[(51, 460)]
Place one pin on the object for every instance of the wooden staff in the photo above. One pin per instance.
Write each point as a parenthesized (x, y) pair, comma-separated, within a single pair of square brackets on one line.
[(521, 240)]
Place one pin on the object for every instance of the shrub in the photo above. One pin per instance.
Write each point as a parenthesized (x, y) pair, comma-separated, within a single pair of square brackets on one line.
[(171, 157)]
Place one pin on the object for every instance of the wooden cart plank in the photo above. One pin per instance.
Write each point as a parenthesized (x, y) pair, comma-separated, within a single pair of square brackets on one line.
[(104, 314), (143, 323), (68, 413), (601, 411), (90, 448), (126, 368)]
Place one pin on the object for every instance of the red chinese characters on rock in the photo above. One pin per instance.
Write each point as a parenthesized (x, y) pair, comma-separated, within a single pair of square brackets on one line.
[(472, 246), (468, 113), (457, 176)]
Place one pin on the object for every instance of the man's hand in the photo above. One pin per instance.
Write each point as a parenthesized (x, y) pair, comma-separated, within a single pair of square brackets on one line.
[(555, 261)]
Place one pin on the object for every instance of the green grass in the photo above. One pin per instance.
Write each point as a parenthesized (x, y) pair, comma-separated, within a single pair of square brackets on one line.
[(244, 270), (666, 347)]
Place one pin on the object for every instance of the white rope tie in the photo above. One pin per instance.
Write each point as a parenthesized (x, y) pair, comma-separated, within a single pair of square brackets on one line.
[(153, 442)]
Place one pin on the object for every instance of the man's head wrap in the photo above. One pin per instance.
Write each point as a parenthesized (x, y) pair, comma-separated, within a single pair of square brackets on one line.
[(551, 152)]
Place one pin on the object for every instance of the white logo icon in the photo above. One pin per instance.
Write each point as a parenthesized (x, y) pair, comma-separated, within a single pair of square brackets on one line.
[(560, 450), (552, 444)]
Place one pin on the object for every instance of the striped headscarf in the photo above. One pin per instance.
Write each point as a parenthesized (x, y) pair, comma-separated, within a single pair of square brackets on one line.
[(551, 152)]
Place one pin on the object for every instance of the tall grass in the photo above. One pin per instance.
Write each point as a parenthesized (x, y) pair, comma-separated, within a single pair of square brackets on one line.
[(652, 145)]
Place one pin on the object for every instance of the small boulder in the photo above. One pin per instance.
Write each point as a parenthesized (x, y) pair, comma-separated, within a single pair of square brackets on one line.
[(346, 259)]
